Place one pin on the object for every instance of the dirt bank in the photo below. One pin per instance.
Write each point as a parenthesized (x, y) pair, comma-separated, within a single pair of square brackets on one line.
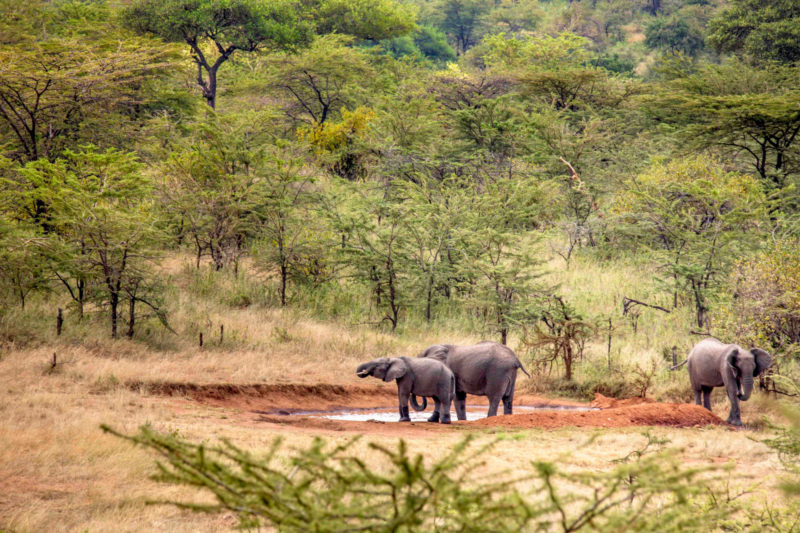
[(292, 398)]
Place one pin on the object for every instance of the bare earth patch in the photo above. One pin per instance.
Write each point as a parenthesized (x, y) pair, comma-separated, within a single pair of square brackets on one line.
[(269, 404)]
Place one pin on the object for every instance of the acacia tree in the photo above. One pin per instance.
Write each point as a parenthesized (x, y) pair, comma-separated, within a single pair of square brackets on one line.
[(694, 217), (102, 226), (49, 89), (749, 113), (215, 29), (321, 80), (373, 223), (212, 190), (288, 241), (767, 31), (498, 269)]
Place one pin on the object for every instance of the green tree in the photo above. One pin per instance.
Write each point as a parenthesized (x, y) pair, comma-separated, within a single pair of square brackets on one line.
[(371, 20), (498, 268), (288, 241), (462, 21), (50, 90), (216, 29), (750, 113), (101, 222), (696, 219), (674, 34), (373, 223), (766, 31), (321, 80), (212, 191)]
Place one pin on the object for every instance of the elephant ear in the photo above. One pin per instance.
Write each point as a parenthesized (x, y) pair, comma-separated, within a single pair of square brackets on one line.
[(397, 369), (730, 359), (437, 351), (763, 360)]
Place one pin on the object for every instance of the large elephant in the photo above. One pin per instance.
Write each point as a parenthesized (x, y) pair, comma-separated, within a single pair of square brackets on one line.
[(484, 369), (714, 364), (421, 377)]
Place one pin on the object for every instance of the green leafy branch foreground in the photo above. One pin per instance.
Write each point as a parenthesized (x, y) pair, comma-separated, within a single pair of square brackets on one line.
[(331, 488)]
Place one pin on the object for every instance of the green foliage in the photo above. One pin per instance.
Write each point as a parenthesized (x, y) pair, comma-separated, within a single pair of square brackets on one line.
[(765, 31), (230, 25), (674, 34), (750, 114), (693, 216), (462, 21), (372, 20), (765, 309), (94, 214), (53, 90), (330, 488), (323, 79)]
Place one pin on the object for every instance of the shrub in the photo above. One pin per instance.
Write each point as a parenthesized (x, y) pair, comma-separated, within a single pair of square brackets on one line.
[(330, 488)]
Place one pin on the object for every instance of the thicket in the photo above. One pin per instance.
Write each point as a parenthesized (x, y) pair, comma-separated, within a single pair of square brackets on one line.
[(407, 164)]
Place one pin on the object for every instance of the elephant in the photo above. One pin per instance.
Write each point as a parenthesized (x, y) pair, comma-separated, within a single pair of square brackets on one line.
[(421, 377), (484, 369), (714, 364)]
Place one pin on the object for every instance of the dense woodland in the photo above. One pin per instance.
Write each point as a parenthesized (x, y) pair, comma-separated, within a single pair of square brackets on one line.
[(405, 163)]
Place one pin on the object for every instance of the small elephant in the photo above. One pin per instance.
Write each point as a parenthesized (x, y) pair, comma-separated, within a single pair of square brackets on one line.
[(421, 377), (714, 364), (485, 369)]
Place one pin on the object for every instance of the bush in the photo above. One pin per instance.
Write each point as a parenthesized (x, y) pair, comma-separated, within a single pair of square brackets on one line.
[(330, 488)]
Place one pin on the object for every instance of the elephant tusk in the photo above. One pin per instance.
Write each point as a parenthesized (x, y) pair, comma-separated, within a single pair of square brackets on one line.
[(363, 373)]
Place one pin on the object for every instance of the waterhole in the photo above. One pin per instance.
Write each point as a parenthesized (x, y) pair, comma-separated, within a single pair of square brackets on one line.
[(391, 414)]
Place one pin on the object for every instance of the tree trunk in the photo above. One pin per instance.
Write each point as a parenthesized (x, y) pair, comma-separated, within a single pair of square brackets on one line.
[(114, 303), (131, 316), (284, 275)]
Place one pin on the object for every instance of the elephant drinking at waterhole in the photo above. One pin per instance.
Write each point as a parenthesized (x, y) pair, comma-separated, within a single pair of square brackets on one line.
[(420, 377), (714, 364), (484, 369)]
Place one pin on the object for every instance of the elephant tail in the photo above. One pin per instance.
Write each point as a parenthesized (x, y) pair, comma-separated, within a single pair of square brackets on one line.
[(676, 367), (519, 365), (416, 405)]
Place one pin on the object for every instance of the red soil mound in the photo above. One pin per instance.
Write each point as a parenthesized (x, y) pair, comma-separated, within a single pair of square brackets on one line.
[(604, 402), (646, 414)]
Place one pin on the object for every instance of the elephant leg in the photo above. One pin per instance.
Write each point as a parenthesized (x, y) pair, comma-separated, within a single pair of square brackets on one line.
[(438, 406), (508, 397), (403, 406), (494, 403), (707, 397), (697, 396), (445, 410), (461, 405), (735, 416), (507, 407)]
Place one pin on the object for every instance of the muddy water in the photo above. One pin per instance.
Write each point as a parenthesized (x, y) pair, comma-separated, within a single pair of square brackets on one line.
[(474, 412)]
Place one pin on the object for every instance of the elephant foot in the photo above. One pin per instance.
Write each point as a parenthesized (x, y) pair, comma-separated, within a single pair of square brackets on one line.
[(404, 415), (434, 417), (446, 419), (735, 422)]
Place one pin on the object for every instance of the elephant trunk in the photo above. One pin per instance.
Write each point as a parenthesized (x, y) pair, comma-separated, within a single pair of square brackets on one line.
[(417, 406), (364, 370), (746, 389)]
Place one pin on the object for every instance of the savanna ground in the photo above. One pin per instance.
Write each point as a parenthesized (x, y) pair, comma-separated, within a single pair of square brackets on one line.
[(60, 472)]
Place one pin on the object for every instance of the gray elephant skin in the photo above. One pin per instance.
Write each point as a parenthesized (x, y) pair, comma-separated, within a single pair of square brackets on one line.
[(420, 377), (484, 369), (714, 364)]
